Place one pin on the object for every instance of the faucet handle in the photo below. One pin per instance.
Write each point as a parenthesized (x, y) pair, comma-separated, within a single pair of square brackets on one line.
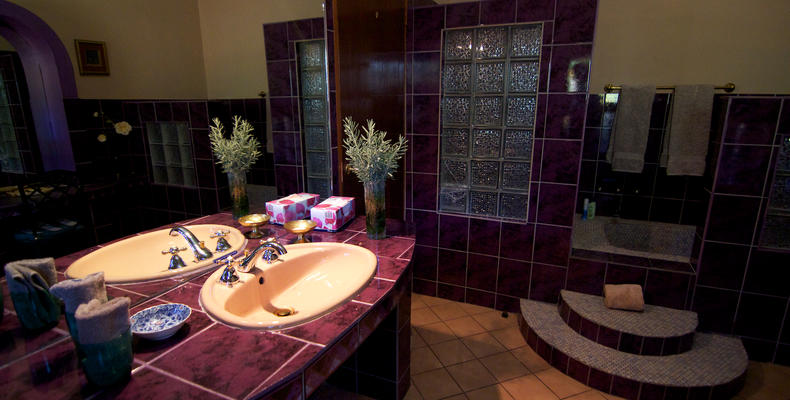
[(173, 250), (219, 233)]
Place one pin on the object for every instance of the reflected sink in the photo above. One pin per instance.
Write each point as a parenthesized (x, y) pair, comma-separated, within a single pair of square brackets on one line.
[(311, 279), (140, 258)]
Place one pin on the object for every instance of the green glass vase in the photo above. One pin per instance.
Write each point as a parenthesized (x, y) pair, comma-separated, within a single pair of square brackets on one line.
[(237, 183), (375, 215)]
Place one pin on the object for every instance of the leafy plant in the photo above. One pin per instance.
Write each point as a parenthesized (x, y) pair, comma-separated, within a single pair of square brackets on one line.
[(370, 155), (238, 153)]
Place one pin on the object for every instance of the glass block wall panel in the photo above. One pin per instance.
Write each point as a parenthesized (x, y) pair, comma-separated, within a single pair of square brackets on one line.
[(776, 227), (315, 121), (171, 153), (489, 84), (456, 78)]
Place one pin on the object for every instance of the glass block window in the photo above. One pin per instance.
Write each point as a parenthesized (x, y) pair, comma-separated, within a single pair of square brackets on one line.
[(10, 160), (170, 146), (776, 227), (489, 85), (314, 114)]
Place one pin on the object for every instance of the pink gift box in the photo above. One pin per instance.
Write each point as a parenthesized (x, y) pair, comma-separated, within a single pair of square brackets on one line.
[(333, 213), (291, 208)]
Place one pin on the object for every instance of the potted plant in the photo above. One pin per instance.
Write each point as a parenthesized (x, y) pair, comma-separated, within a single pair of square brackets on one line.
[(236, 155), (373, 159)]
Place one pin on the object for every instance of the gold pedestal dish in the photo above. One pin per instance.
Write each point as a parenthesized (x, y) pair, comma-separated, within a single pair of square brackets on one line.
[(300, 228), (255, 221)]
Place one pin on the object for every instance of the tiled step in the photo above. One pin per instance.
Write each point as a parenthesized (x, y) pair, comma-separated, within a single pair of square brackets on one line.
[(714, 368), (656, 331)]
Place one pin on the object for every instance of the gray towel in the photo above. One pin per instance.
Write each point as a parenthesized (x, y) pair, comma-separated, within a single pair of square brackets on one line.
[(686, 141), (628, 140), (74, 292), (100, 322), (28, 284)]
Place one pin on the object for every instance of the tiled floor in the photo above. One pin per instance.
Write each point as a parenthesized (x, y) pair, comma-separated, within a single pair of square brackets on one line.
[(462, 351)]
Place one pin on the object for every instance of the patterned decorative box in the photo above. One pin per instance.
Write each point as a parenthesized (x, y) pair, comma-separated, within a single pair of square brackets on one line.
[(291, 208), (333, 213)]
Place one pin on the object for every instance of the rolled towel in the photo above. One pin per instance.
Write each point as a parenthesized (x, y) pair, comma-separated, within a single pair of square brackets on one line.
[(74, 292), (100, 322), (624, 297), (28, 284)]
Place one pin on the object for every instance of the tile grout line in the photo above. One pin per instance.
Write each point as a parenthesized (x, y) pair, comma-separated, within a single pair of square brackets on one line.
[(180, 344), (276, 371), (188, 382)]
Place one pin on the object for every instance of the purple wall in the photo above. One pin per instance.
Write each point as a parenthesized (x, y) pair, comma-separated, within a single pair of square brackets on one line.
[(484, 261)]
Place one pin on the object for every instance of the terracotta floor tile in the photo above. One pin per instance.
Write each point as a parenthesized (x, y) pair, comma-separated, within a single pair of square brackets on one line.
[(483, 344), (416, 303), (449, 311), (452, 352), (588, 395), (765, 381), (511, 337), (435, 384), (471, 375), (608, 396), (423, 316), (422, 360), (456, 397), (530, 359), (504, 366), (493, 320), (435, 333), (473, 309), (412, 393), (528, 387), (562, 385), (466, 326), (416, 340), (494, 392)]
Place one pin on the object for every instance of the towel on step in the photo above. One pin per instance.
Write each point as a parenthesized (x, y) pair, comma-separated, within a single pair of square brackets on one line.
[(99, 322), (28, 284), (624, 297), (686, 142), (74, 292), (628, 140)]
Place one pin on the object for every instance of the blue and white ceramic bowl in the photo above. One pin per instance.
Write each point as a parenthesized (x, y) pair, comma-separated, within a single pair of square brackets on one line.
[(160, 322)]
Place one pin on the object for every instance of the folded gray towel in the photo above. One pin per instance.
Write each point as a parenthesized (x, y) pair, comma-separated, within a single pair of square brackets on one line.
[(686, 141), (28, 284), (99, 322), (628, 139), (74, 292)]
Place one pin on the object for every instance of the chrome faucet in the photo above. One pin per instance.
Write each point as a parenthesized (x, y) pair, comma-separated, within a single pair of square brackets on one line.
[(198, 247), (269, 249)]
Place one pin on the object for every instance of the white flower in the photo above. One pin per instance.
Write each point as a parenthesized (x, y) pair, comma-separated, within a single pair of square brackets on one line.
[(122, 128), (95, 114), (101, 138)]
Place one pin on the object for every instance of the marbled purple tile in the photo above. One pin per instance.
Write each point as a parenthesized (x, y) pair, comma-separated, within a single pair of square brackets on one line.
[(517, 240), (513, 278), (481, 272), (231, 370), (760, 316), (586, 276), (426, 73), (375, 290), (198, 115), (463, 14), (722, 265), (546, 282), (764, 277), (135, 298), (322, 368), (480, 298), (732, 218), (451, 292), (425, 115), (428, 24), (556, 204), (659, 112), (452, 267), (427, 227), (300, 30), (187, 293), (424, 191), (155, 287), (552, 244), (543, 74), (565, 116), (570, 66), (16, 340), (287, 180), (716, 308), (425, 154), (453, 232), (497, 12), (291, 368), (537, 157), (282, 114), (276, 41), (421, 286), (163, 111), (330, 326), (784, 119), (742, 169), (535, 10), (484, 236), (147, 350), (560, 161), (147, 113), (619, 274), (578, 371), (285, 152), (279, 73), (147, 383), (667, 289), (390, 268), (591, 138), (574, 21), (752, 120), (392, 247)]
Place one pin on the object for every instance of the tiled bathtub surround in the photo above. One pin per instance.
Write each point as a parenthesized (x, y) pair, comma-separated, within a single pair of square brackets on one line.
[(488, 262)]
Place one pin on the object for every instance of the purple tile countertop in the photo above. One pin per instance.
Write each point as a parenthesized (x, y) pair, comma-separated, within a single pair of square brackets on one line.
[(207, 359)]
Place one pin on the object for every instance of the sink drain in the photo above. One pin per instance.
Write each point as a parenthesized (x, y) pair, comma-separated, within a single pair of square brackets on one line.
[(284, 312)]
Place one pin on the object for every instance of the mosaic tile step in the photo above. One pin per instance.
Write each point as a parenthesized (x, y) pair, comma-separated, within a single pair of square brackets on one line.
[(657, 331), (713, 369)]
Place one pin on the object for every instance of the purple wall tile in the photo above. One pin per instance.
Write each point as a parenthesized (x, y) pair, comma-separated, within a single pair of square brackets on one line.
[(732, 219), (552, 244), (716, 308), (426, 149), (517, 240), (426, 72), (427, 227), (535, 10), (276, 41), (742, 169), (511, 278), (481, 272), (497, 12), (428, 24), (764, 277), (667, 289), (424, 191), (546, 282), (569, 68), (452, 267), (279, 73), (282, 114), (543, 75), (453, 232), (618, 274), (752, 121), (480, 298), (760, 316), (565, 116), (722, 265), (556, 204), (426, 115), (574, 21), (450, 292), (586, 276), (425, 262), (463, 14), (484, 236), (560, 161)]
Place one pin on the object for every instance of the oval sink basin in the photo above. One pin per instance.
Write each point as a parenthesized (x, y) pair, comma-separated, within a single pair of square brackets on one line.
[(309, 281), (140, 258)]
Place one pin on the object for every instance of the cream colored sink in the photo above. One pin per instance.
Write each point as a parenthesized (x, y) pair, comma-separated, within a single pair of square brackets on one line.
[(140, 258), (311, 279)]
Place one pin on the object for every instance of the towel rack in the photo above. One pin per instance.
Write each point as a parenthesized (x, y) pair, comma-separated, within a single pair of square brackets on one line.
[(728, 87)]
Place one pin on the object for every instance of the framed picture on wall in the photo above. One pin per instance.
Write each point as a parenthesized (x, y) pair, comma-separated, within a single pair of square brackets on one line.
[(92, 57)]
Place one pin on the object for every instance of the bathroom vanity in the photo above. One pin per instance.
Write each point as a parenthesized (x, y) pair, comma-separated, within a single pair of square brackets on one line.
[(363, 344)]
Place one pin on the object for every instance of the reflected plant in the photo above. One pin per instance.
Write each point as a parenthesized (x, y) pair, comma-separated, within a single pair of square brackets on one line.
[(238, 153), (372, 157)]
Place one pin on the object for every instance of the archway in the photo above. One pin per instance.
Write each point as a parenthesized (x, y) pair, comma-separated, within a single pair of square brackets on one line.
[(50, 79)]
